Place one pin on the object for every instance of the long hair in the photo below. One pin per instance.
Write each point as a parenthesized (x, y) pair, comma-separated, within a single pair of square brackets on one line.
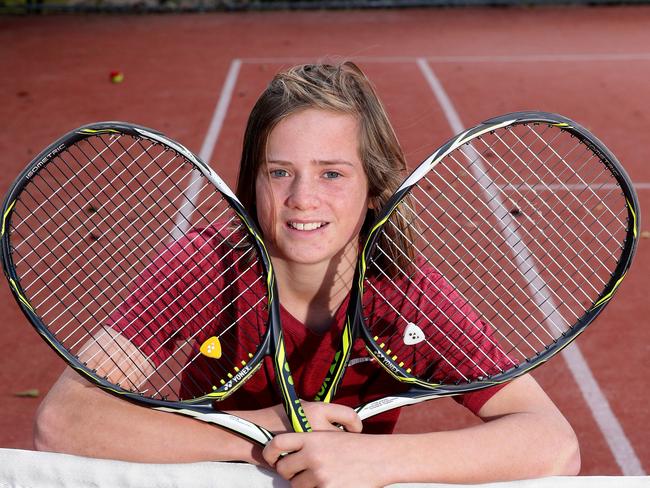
[(341, 88)]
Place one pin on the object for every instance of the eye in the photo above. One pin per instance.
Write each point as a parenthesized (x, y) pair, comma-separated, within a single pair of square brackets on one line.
[(332, 175), (278, 173)]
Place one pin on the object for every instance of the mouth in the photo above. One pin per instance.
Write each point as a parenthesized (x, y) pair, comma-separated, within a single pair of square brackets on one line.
[(306, 226)]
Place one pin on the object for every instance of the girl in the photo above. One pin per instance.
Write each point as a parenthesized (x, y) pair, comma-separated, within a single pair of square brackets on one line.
[(319, 158)]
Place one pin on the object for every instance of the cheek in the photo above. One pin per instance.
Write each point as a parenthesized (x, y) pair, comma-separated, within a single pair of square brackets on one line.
[(353, 205)]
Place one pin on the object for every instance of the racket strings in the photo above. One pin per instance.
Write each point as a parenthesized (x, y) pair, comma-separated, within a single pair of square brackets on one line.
[(606, 247), (576, 170), (102, 347), (60, 245), (197, 306), (526, 224), (73, 276), (487, 266), (66, 202), (435, 347), (71, 198), (193, 303), (196, 311), (95, 232), (53, 192), (152, 226), (467, 348), (158, 317), (110, 372), (488, 236), (577, 238), (457, 346), (444, 352), (155, 351), (509, 300), (88, 223)]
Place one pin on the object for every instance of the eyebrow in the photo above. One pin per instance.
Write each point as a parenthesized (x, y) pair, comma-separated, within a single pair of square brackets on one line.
[(319, 162)]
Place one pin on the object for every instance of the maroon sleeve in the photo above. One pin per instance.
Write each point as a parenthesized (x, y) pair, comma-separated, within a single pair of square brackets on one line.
[(475, 400)]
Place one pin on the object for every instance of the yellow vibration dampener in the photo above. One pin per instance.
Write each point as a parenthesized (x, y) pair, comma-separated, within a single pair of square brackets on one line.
[(211, 348)]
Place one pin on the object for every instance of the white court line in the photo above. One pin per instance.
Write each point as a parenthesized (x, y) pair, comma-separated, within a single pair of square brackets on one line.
[(220, 111), (609, 425), (537, 58), (184, 217), (493, 58)]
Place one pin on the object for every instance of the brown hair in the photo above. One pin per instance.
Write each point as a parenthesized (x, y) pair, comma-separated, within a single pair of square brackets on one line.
[(341, 88)]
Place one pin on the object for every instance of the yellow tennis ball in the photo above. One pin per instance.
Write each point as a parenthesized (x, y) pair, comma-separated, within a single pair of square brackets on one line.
[(117, 77)]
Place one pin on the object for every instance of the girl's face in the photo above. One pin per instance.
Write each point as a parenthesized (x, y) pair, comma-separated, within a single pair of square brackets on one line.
[(312, 195)]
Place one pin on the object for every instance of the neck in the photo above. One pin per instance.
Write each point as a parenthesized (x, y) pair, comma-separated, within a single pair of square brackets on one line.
[(312, 293)]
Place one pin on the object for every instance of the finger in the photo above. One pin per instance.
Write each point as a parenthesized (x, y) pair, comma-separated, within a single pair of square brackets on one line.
[(345, 417), (291, 466), (331, 416), (280, 445)]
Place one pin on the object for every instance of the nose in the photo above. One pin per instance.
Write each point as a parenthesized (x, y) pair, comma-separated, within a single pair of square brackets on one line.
[(303, 194)]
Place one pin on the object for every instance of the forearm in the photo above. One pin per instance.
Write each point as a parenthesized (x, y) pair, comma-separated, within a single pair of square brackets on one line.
[(81, 419), (517, 446), (524, 436)]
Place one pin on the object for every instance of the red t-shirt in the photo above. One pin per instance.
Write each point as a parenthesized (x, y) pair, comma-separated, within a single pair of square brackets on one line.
[(206, 285)]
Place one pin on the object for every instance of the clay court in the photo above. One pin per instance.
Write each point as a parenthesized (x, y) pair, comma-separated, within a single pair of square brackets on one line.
[(196, 76)]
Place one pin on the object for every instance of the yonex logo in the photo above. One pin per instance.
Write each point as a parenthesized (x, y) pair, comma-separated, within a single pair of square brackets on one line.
[(388, 364), (237, 378)]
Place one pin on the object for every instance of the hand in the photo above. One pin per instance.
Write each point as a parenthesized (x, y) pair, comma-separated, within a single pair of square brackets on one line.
[(331, 417), (322, 416), (326, 459), (321, 458)]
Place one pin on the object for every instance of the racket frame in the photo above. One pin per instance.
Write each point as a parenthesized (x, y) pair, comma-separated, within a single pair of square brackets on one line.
[(200, 407), (421, 390)]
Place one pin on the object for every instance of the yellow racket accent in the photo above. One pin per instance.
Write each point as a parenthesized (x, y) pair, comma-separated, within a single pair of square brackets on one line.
[(4, 217), (22, 298), (211, 348), (98, 131), (610, 294), (634, 224)]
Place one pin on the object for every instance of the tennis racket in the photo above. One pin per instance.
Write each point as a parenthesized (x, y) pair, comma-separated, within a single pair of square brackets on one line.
[(138, 265), (491, 257)]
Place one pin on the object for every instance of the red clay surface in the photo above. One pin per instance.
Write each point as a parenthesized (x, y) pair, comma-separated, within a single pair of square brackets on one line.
[(591, 64)]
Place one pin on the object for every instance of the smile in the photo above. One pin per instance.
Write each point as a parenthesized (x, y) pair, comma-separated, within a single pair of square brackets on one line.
[(306, 225)]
